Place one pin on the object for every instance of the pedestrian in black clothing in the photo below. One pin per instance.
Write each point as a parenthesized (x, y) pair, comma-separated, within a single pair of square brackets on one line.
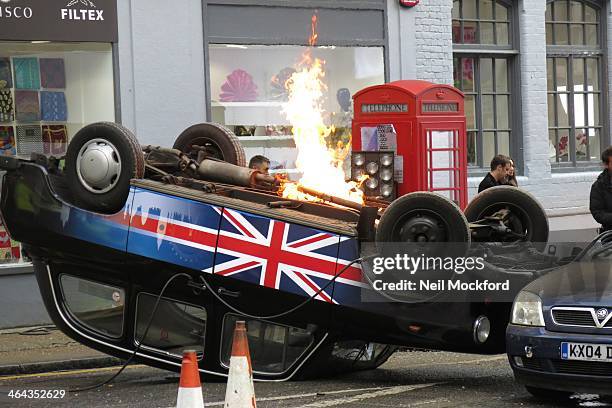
[(500, 166), (601, 193), (511, 179)]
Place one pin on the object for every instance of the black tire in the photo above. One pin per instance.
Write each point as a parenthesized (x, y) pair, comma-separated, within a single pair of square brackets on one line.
[(453, 225), (545, 394), (131, 159), (528, 216), (221, 143)]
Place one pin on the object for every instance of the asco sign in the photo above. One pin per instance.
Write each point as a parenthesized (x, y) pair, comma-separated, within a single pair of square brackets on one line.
[(58, 20), (408, 3)]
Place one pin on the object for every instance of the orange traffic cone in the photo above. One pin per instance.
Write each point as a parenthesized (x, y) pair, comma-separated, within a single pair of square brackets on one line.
[(190, 387), (240, 392)]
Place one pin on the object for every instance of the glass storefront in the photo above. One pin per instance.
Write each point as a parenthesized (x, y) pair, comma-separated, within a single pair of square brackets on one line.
[(248, 92), (48, 91)]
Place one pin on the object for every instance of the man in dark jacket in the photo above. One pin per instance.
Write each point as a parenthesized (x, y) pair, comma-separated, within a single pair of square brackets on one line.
[(601, 193), (500, 167)]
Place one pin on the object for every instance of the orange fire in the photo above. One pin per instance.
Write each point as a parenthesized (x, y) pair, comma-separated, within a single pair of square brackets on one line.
[(321, 167)]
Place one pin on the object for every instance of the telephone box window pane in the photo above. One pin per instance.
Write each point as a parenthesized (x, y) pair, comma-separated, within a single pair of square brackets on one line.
[(594, 144), (469, 9), (549, 12), (561, 34), (503, 36), (577, 34), (176, 326), (486, 33), (502, 112), (95, 305), (591, 35), (486, 9), (488, 144), (486, 75), (471, 149), (503, 141), (470, 112), (501, 75), (274, 348), (581, 144), (488, 118), (592, 74), (442, 159)]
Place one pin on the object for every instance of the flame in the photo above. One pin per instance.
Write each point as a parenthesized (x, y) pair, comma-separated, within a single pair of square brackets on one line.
[(321, 167)]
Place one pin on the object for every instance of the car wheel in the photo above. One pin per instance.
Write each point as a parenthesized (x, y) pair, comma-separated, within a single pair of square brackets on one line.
[(101, 160), (423, 217), (219, 142), (526, 216), (545, 394)]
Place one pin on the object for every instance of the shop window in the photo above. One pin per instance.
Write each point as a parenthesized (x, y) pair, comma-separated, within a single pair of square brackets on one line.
[(248, 92), (575, 98), (48, 91), (95, 305), (274, 348), (481, 27), (176, 326)]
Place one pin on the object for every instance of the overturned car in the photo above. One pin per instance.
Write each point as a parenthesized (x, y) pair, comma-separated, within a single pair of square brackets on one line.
[(146, 251)]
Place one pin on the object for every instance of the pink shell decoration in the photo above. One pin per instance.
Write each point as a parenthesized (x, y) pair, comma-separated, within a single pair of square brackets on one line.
[(239, 87)]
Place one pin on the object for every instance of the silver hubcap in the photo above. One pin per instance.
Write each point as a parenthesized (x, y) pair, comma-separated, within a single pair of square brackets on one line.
[(98, 166)]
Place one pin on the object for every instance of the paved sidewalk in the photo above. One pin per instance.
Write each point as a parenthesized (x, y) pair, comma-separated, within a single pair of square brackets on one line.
[(42, 349)]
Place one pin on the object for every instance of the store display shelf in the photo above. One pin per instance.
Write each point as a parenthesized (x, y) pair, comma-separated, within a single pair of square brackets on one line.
[(249, 113), (257, 138)]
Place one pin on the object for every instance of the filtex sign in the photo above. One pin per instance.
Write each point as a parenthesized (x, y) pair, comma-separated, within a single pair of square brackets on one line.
[(58, 20)]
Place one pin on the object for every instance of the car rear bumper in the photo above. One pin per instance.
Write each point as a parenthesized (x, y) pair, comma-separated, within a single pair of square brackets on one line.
[(545, 369)]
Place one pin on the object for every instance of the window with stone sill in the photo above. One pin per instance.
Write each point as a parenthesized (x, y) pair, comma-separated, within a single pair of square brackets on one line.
[(576, 102), (481, 28)]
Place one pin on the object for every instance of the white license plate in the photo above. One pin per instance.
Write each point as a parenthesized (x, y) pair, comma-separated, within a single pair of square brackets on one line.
[(586, 352)]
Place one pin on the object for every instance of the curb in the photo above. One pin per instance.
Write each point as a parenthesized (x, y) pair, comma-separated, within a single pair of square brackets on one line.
[(47, 366)]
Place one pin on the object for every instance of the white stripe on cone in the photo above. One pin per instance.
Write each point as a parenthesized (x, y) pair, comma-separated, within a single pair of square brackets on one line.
[(240, 392), (190, 398)]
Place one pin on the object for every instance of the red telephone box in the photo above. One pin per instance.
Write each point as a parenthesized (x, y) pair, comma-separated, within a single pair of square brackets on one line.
[(424, 125)]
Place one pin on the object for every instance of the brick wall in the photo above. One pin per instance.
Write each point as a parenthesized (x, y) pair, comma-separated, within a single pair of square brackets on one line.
[(433, 36)]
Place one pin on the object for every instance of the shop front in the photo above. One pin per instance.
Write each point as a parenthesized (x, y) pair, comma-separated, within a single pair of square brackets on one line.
[(253, 50), (57, 74)]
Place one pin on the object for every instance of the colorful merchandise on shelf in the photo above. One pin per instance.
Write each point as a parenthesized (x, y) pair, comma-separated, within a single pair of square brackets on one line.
[(6, 106), (55, 139), (6, 74), (29, 140), (27, 73), (53, 106), (7, 141), (52, 73), (239, 87), (279, 84), (27, 108)]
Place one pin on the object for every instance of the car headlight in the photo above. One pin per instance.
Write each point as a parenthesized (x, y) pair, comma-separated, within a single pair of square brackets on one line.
[(527, 310)]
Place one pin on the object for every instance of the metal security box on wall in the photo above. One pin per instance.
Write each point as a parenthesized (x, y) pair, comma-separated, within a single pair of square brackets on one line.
[(424, 125)]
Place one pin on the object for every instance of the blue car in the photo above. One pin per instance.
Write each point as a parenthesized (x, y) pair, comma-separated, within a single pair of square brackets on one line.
[(559, 340)]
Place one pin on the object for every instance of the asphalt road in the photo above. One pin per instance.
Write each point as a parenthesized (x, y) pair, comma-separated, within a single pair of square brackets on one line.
[(415, 379)]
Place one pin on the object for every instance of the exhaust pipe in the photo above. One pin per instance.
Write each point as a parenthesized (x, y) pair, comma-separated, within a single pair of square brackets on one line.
[(227, 173)]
